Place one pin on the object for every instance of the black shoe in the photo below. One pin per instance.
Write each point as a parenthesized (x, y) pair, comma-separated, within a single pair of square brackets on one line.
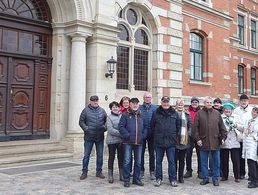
[(126, 184), (188, 174), (204, 182), (100, 175), (138, 183), (181, 180), (200, 176), (216, 183), (223, 179), (252, 185), (83, 176)]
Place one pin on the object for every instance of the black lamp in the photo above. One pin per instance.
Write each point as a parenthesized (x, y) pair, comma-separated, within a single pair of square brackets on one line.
[(111, 64)]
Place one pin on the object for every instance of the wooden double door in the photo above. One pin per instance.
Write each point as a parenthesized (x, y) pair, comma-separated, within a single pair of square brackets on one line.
[(24, 98)]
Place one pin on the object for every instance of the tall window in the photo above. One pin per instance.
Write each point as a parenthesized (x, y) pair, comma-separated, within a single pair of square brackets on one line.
[(253, 81), (196, 56), (133, 50), (241, 29), (253, 34), (240, 79)]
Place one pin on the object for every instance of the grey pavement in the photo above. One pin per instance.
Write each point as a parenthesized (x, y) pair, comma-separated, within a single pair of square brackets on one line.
[(66, 181)]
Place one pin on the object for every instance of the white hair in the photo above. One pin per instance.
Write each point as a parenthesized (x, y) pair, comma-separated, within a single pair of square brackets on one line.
[(207, 98), (180, 101)]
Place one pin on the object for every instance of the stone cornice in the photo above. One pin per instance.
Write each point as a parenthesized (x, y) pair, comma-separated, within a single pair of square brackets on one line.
[(208, 9), (247, 50), (244, 9), (206, 20)]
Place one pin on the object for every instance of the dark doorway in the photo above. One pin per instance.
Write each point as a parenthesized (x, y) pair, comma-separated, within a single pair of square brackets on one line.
[(25, 69)]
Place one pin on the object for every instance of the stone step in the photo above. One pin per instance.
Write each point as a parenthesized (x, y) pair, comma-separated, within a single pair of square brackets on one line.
[(31, 149), (11, 144), (34, 159)]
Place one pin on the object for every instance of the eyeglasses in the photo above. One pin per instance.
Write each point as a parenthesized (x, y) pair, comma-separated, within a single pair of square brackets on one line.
[(208, 102), (194, 102), (147, 97)]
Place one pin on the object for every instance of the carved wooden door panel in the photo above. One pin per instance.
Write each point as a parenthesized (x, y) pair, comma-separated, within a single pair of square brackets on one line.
[(3, 90), (21, 88)]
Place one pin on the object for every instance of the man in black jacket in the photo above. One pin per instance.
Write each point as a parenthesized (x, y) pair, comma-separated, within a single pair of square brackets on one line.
[(166, 124), (92, 121)]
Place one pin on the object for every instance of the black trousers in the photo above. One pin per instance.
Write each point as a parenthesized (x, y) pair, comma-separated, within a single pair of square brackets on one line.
[(112, 148), (242, 161), (199, 169), (189, 154), (253, 170), (180, 157), (150, 142), (224, 159)]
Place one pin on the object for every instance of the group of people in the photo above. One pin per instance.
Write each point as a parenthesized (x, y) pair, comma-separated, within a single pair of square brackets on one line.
[(214, 131)]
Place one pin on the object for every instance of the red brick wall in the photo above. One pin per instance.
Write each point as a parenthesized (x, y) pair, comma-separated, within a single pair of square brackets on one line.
[(215, 51)]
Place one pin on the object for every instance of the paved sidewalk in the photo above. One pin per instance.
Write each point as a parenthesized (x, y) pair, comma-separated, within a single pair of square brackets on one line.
[(66, 181)]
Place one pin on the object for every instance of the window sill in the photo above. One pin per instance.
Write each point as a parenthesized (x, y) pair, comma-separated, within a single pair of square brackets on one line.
[(193, 82), (254, 96)]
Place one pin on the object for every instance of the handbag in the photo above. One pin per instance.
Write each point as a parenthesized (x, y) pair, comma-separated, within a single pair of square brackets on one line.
[(239, 135)]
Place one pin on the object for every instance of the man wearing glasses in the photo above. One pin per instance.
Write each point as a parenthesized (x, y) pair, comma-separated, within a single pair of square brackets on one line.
[(209, 132), (193, 109), (147, 109)]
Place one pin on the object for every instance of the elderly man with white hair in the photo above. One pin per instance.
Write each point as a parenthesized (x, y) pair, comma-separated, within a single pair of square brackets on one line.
[(209, 132)]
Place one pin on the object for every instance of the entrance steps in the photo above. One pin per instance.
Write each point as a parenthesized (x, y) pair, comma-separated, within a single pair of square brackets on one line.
[(16, 153)]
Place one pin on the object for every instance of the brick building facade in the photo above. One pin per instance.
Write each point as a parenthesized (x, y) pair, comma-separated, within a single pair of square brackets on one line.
[(227, 62)]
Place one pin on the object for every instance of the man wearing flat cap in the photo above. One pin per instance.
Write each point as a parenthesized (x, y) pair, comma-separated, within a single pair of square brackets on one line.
[(244, 111), (193, 109), (133, 130), (217, 105), (166, 124), (92, 121)]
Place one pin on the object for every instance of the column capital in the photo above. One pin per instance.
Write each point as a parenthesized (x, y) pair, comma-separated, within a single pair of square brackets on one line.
[(78, 36)]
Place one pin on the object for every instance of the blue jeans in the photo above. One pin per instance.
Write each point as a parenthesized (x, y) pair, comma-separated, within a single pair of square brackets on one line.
[(137, 153), (170, 152), (215, 164), (87, 151)]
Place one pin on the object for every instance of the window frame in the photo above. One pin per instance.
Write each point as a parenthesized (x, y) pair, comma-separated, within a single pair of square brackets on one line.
[(253, 81), (197, 52), (253, 36), (133, 45), (240, 78), (241, 29)]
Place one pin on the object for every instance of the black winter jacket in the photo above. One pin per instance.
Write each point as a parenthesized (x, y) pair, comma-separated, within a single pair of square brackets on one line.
[(165, 124), (92, 121)]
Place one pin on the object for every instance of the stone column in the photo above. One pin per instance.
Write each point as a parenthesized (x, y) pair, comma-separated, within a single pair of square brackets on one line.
[(77, 85), (77, 93)]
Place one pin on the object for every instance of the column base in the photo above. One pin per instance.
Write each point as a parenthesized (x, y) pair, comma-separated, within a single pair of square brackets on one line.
[(75, 144)]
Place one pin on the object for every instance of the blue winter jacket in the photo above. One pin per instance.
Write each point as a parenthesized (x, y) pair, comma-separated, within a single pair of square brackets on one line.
[(132, 127), (147, 111)]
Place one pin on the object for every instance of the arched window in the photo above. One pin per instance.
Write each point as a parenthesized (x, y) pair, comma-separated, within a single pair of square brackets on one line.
[(196, 56), (133, 50), (253, 81), (240, 79), (33, 9)]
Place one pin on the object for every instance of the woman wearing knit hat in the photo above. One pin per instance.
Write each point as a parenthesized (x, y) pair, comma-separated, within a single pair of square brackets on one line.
[(231, 144)]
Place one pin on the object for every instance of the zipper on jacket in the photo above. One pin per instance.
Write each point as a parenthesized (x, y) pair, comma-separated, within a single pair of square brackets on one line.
[(136, 133)]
